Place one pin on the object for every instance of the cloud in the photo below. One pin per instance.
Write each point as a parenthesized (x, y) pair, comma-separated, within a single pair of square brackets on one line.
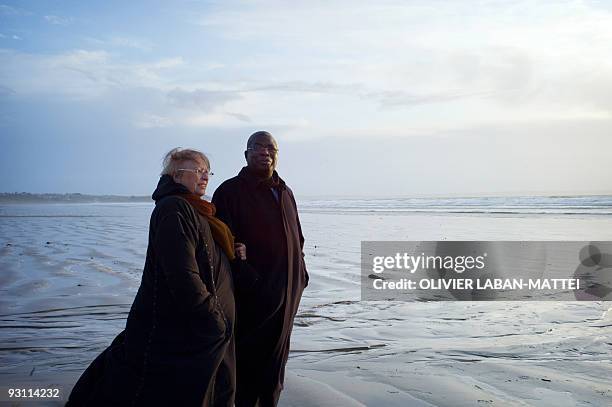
[(589, 91), (240, 116), (13, 11), (5, 90), (406, 54), (122, 42), (134, 43), (305, 87), (57, 20), (201, 99), (82, 73), (144, 95), (152, 121), (401, 98), (11, 36)]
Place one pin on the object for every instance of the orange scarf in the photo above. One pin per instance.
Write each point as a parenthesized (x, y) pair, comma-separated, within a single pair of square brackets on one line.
[(221, 233)]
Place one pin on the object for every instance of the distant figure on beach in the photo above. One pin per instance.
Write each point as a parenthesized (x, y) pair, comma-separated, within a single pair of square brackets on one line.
[(177, 348), (261, 211)]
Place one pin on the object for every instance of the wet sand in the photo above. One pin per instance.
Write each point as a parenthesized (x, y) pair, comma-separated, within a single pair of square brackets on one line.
[(69, 274)]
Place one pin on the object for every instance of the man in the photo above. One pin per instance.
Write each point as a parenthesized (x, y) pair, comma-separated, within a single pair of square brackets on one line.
[(260, 210)]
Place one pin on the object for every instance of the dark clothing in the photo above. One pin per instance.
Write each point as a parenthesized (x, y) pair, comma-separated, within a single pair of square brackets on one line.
[(270, 229), (177, 347)]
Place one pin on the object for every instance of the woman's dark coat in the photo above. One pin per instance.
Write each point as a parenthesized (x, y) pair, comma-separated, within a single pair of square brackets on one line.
[(177, 347), (268, 224)]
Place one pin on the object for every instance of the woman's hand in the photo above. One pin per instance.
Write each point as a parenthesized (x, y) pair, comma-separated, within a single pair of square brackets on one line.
[(240, 249)]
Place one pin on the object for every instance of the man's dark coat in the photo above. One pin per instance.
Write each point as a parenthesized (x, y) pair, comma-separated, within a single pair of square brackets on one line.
[(268, 224), (177, 348)]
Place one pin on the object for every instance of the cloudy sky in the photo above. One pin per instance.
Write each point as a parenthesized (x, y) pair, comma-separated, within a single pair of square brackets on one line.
[(373, 98)]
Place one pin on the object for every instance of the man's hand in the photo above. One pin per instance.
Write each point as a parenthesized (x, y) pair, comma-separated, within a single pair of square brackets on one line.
[(240, 249)]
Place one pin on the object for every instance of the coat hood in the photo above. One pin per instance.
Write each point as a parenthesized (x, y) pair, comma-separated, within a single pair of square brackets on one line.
[(166, 186)]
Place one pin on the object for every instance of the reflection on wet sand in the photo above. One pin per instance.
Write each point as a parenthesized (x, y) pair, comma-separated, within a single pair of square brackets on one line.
[(69, 274)]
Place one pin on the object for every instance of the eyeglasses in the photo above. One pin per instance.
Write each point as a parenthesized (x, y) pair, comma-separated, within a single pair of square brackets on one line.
[(260, 148), (198, 171)]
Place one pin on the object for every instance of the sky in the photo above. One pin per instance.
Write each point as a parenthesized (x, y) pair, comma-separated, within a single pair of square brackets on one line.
[(372, 98)]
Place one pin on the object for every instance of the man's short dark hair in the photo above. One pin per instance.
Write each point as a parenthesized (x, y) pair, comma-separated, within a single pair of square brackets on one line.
[(253, 136)]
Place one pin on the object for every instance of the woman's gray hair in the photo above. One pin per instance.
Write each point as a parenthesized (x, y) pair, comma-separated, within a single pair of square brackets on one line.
[(177, 156)]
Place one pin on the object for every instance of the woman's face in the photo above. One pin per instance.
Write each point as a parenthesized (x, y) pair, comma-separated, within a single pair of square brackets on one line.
[(193, 174)]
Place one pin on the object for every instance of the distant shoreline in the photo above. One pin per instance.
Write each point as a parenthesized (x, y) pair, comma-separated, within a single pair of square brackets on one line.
[(25, 197)]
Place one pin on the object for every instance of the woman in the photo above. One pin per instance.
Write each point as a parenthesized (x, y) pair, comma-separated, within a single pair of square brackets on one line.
[(178, 346)]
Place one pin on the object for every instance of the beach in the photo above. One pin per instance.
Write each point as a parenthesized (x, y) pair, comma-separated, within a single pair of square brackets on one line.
[(69, 273)]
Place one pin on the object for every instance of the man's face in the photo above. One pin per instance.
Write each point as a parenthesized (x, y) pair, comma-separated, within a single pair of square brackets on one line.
[(262, 155)]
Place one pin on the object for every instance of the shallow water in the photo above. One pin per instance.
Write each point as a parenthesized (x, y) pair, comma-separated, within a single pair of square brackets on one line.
[(68, 275)]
